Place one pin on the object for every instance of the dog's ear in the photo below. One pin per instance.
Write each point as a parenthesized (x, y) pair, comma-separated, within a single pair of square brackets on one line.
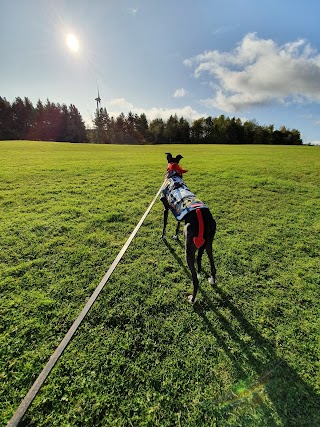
[(169, 157), (178, 158)]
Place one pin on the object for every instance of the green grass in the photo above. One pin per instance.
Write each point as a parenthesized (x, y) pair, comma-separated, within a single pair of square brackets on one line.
[(248, 354)]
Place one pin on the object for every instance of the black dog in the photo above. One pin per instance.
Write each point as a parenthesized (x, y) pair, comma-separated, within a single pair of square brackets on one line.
[(200, 226)]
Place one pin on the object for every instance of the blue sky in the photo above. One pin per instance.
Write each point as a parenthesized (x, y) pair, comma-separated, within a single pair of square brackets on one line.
[(257, 60)]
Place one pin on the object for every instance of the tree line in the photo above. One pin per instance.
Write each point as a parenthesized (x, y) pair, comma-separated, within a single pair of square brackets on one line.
[(57, 122), (135, 129), (45, 122)]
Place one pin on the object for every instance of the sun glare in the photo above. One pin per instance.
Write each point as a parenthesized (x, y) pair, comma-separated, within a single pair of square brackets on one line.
[(72, 42)]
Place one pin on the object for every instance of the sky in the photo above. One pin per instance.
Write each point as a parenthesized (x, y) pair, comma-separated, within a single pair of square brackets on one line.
[(251, 59)]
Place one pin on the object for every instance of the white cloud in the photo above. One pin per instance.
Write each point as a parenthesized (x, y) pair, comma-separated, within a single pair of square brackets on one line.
[(121, 105), (164, 113), (180, 93), (133, 11), (259, 72)]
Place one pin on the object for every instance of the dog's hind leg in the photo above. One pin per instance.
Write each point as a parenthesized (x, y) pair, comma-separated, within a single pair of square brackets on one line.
[(190, 257), (199, 258), (212, 279)]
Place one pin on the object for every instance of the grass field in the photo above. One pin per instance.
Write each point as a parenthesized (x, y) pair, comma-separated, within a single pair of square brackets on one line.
[(247, 354)]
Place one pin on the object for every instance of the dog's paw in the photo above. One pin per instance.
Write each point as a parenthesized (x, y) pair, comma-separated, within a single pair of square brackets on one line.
[(191, 300), (211, 280)]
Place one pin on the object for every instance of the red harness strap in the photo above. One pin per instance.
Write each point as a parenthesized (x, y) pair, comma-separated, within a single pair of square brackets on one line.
[(199, 240)]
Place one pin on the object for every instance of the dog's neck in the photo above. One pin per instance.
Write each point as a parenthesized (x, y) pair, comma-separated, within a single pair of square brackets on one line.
[(172, 173), (174, 169)]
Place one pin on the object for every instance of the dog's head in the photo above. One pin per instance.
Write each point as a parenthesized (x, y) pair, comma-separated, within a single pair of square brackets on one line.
[(174, 159), (173, 165)]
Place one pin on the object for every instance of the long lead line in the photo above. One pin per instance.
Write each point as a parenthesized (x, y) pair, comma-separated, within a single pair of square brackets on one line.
[(33, 391)]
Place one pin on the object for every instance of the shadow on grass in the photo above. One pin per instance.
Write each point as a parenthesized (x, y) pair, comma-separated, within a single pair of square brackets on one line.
[(294, 402), (176, 257)]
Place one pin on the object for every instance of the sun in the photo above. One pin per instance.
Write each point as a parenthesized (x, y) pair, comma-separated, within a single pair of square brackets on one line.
[(72, 42)]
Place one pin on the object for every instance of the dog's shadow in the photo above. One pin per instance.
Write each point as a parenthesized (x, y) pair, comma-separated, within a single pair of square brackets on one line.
[(176, 256), (293, 401)]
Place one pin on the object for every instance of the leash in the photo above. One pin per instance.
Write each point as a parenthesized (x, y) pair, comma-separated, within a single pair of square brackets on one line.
[(33, 391)]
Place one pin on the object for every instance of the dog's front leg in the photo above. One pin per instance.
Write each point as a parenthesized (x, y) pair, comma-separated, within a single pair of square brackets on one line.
[(165, 222), (176, 236)]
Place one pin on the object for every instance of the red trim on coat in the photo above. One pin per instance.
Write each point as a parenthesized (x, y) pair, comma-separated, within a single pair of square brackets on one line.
[(199, 240)]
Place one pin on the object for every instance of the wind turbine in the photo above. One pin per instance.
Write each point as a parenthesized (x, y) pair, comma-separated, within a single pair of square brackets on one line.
[(98, 99)]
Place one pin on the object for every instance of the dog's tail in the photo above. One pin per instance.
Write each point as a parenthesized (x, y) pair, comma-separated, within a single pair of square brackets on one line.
[(199, 240)]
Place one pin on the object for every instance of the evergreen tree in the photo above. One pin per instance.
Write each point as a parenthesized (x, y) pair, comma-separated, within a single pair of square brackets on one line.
[(142, 129), (172, 129), (6, 120), (157, 128), (198, 131), (76, 126), (29, 119), (120, 129), (19, 118), (183, 131)]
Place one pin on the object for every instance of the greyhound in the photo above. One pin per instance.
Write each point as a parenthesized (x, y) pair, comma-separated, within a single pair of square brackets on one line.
[(200, 226)]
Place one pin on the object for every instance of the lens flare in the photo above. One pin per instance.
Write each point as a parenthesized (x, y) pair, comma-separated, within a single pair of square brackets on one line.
[(72, 42)]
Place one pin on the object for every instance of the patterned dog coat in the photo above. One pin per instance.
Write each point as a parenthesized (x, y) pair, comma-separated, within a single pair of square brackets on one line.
[(178, 198)]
